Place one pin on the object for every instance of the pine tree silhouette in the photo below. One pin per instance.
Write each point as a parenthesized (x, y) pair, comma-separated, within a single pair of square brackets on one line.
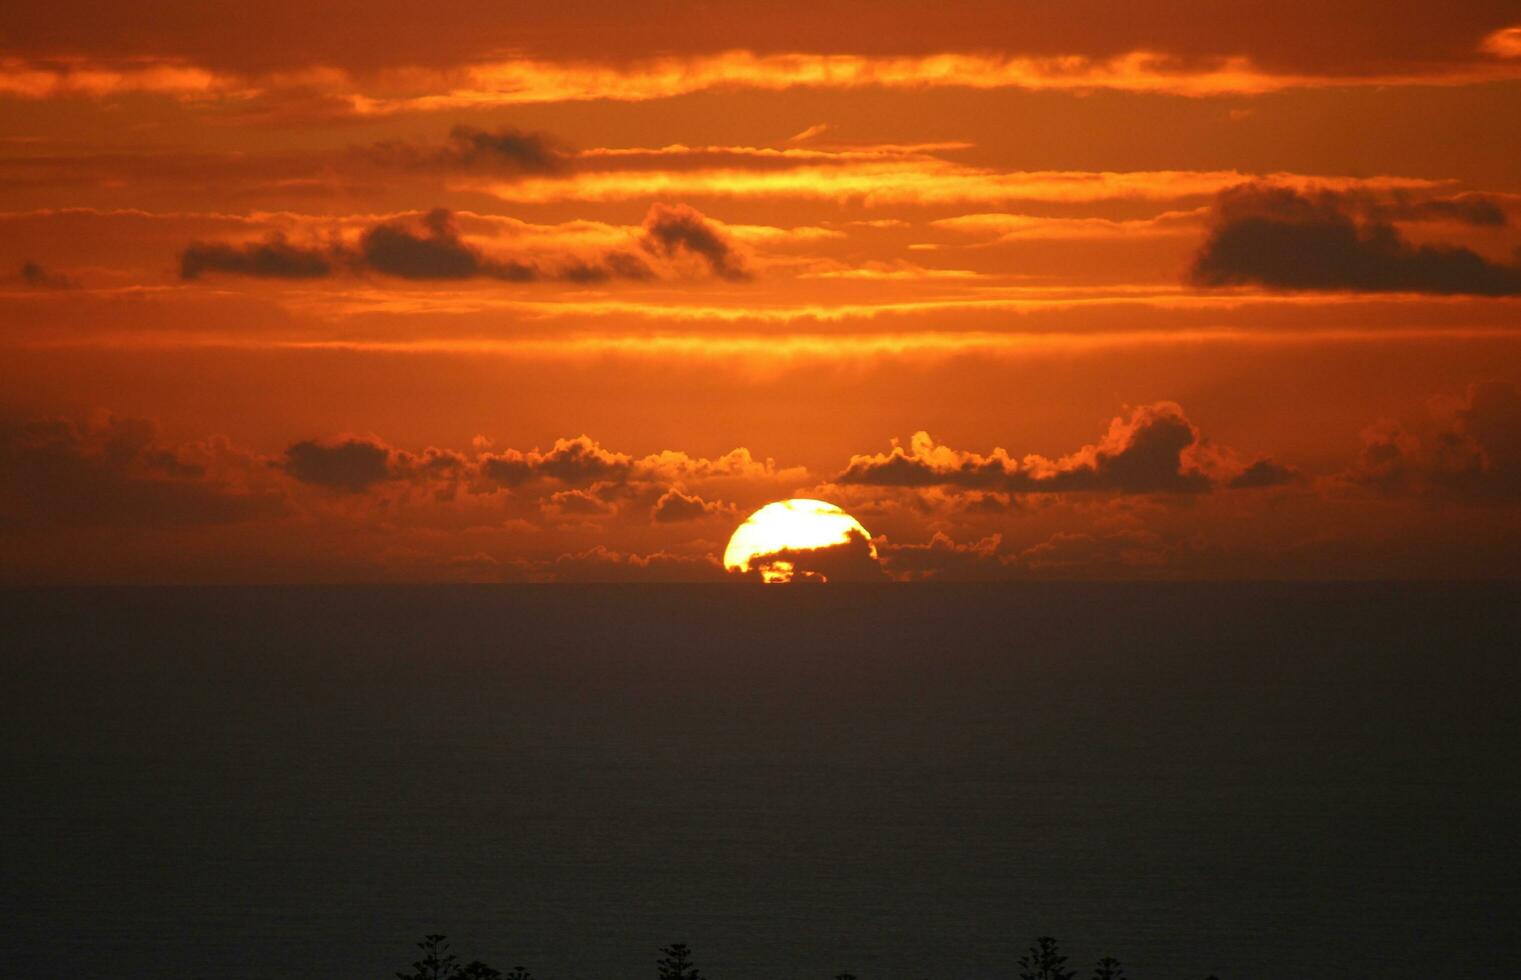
[(437, 962), (1109, 969), (844, 976), (677, 964), (476, 970), (518, 973), (1044, 962)]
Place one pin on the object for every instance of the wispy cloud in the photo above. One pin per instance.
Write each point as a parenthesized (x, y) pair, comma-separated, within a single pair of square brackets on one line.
[(526, 81), (909, 178)]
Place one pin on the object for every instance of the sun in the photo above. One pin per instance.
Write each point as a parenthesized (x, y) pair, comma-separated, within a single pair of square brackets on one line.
[(768, 540)]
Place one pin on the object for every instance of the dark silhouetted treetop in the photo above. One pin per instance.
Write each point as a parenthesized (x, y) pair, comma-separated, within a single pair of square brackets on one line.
[(437, 962), (677, 963), (1044, 962), (1108, 968), (476, 970)]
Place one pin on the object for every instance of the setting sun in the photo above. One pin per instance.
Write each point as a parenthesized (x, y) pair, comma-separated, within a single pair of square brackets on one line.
[(790, 526)]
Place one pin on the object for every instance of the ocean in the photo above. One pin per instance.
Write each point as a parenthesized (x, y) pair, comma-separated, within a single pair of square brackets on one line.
[(1258, 781)]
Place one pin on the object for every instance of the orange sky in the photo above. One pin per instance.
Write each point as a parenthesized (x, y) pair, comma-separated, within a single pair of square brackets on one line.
[(383, 292)]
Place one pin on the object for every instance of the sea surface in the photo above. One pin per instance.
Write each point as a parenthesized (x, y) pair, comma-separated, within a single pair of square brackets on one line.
[(1264, 782)]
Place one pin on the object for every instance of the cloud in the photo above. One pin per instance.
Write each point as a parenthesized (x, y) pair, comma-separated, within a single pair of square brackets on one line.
[(527, 80), (671, 230), (1388, 461), (1002, 228), (675, 506), (602, 564), (374, 62), (1154, 449), (1120, 553), (942, 559), (1479, 210), (1504, 43), (353, 464), (579, 503), (348, 464), (114, 471), (1263, 473), (811, 132), (674, 465), (429, 247), (907, 175), (47, 79), (505, 150), (433, 251), (273, 258), (613, 265), (854, 560), (35, 276), (1284, 238), (1475, 455), (578, 460), (662, 481), (1479, 454)]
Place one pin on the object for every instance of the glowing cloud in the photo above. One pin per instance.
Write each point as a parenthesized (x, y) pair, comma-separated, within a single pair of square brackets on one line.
[(1505, 43)]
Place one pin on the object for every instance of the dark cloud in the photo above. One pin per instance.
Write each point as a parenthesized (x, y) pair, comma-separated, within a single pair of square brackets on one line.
[(941, 559), (675, 506), (501, 151), (581, 459), (613, 265), (349, 464), (1121, 554), (1478, 210), (432, 251), (1278, 237), (113, 471), (1150, 451), (1389, 461), (273, 258), (1140, 455), (429, 247), (358, 463), (1479, 455), (674, 230), (602, 564), (579, 503), (1263, 473), (854, 560), (34, 275), (1475, 456), (1469, 209), (505, 149), (578, 461)]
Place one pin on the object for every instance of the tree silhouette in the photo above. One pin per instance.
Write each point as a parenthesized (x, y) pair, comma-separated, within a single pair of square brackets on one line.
[(437, 962), (1109, 969), (677, 964), (1043, 962)]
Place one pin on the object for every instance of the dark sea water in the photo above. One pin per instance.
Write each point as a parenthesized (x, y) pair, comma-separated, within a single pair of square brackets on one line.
[(1268, 782)]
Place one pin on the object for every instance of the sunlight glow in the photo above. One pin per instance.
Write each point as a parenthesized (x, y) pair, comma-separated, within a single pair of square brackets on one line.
[(799, 524)]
